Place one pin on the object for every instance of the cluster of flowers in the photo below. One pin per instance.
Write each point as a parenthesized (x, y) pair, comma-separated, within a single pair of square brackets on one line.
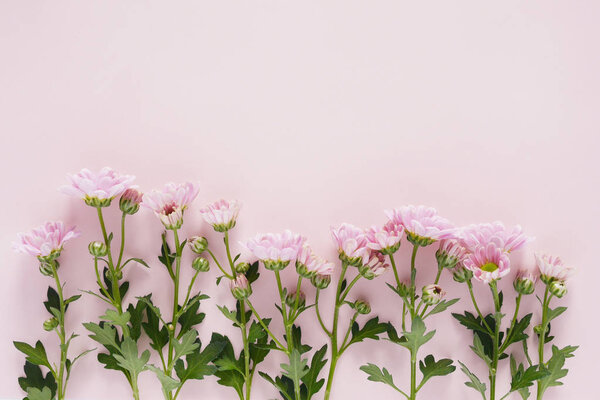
[(480, 252)]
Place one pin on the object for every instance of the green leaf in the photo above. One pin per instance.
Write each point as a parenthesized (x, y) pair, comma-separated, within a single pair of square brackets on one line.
[(474, 381), (479, 350), (297, 367), (417, 336), (137, 260), (148, 301), (311, 378), (53, 301), (256, 331), (129, 358), (553, 313), (430, 368), (135, 321), (34, 378), (115, 318), (555, 366), (471, 322), (229, 315), (443, 306), (103, 334), (297, 340), (168, 384), (71, 300), (159, 337), (518, 333), (523, 392), (37, 394), (252, 274), (370, 330), (285, 387), (523, 378), (230, 369), (191, 317), (35, 355), (377, 375), (198, 362), (187, 345)]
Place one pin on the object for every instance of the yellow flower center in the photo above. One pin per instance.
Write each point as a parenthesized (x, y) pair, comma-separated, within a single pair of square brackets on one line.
[(489, 267)]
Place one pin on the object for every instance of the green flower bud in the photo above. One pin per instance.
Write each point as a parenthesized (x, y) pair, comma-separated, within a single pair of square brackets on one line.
[(129, 203), (290, 299), (303, 271), (46, 267), (524, 283), (362, 307), (242, 268), (558, 288), (200, 264), (98, 249), (198, 244), (461, 274), (432, 294), (320, 281), (50, 324), (240, 287)]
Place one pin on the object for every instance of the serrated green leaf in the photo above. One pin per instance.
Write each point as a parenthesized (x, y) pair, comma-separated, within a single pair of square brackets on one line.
[(311, 378), (129, 358), (379, 375), (286, 389), (370, 330), (554, 369), (35, 355), (479, 350), (297, 367), (443, 306), (187, 345), (198, 363), (159, 337), (168, 384), (190, 316), (417, 336), (518, 333), (115, 318), (34, 378), (37, 394), (252, 274), (103, 334), (430, 368), (230, 315), (474, 381)]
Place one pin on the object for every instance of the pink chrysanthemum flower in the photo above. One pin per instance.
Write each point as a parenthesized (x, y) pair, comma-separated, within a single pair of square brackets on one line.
[(309, 264), (552, 268), (221, 214), (97, 189), (450, 253), (478, 235), (352, 244), (276, 250), (422, 224), (45, 242), (375, 265), (170, 203), (385, 239), (488, 263)]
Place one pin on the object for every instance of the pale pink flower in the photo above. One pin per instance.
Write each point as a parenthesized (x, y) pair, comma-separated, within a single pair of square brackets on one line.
[(474, 236), (170, 203), (221, 214), (46, 241), (375, 265), (308, 263), (422, 224), (97, 188), (450, 253), (524, 282), (488, 263), (275, 250), (552, 268), (385, 239), (352, 244)]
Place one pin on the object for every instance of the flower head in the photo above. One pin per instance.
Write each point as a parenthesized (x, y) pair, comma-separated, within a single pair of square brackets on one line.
[(240, 287), (385, 239), (558, 288), (221, 214), (433, 294), (524, 282), (352, 244), (275, 250), (170, 203), (474, 236), (488, 263), (422, 224), (450, 253), (309, 264), (375, 266), (552, 268), (130, 200), (45, 242), (97, 188)]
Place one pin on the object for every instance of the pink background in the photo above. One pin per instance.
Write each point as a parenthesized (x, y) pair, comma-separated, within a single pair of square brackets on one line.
[(312, 113)]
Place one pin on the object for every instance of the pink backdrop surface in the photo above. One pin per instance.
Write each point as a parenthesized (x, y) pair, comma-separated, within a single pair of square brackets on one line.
[(311, 113)]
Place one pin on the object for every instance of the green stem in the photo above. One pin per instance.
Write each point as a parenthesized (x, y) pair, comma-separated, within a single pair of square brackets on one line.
[(413, 313), (61, 382), (470, 285), (122, 247), (247, 376), (495, 341), (219, 265), (265, 327), (319, 313), (344, 345), (334, 333), (542, 338), (172, 336), (393, 262), (512, 324), (413, 375), (347, 291)]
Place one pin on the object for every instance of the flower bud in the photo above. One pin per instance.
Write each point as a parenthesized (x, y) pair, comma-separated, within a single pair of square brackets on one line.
[(242, 267), (200, 264), (558, 288), (432, 294), (130, 200), (46, 267), (118, 275), (171, 327), (240, 288), (321, 281), (461, 274), (98, 249), (524, 283), (50, 324), (449, 254), (362, 307), (290, 299), (198, 244), (374, 267)]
